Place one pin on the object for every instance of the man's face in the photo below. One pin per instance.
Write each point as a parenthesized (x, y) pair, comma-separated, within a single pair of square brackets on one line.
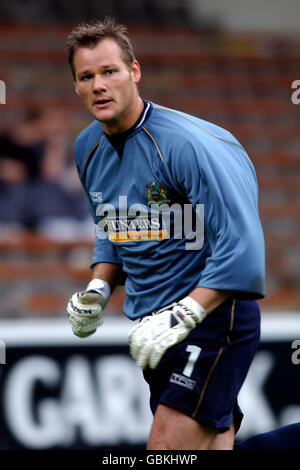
[(107, 84)]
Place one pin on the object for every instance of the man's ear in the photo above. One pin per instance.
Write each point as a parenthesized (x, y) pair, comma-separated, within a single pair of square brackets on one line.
[(136, 71)]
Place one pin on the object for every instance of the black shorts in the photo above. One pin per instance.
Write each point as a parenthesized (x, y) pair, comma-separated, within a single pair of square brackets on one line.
[(202, 375)]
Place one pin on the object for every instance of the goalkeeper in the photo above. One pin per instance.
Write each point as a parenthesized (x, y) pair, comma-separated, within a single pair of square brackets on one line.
[(198, 320)]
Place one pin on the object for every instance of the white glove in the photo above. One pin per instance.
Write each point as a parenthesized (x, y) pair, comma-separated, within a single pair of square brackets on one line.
[(85, 308), (166, 327)]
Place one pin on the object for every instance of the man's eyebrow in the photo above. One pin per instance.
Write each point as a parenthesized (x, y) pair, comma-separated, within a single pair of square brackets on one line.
[(109, 66), (104, 67), (83, 72)]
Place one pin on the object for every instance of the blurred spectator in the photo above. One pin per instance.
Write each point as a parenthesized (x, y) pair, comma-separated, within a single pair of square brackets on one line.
[(24, 144), (39, 187)]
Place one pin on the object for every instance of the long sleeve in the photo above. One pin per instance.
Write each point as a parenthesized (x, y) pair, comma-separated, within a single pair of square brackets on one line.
[(220, 175), (104, 251)]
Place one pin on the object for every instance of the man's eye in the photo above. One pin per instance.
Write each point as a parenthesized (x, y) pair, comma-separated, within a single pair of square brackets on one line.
[(109, 72), (85, 78)]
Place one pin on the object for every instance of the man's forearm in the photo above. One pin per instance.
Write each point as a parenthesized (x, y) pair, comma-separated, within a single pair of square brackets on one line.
[(108, 272), (209, 299)]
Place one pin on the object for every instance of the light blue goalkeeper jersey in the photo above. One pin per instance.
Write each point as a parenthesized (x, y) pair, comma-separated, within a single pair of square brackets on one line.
[(170, 159)]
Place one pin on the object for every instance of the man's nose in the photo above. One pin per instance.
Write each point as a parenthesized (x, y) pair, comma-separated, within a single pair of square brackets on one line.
[(98, 84)]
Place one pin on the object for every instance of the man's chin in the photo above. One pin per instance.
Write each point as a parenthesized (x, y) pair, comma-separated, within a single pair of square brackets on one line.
[(103, 116)]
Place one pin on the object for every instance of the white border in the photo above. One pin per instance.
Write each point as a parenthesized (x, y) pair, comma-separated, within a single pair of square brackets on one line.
[(277, 326), (57, 332), (280, 326)]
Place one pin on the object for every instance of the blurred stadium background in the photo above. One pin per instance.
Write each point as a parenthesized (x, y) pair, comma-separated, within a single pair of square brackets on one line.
[(229, 62)]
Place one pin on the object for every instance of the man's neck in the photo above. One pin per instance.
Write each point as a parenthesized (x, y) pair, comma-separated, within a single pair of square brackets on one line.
[(112, 129)]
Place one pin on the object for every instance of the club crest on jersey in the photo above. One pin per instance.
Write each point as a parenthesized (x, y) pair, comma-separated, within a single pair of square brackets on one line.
[(156, 193)]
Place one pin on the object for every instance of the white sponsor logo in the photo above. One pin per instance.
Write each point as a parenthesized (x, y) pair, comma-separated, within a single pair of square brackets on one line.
[(157, 222), (96, 196), (102, 403), (183, 381)]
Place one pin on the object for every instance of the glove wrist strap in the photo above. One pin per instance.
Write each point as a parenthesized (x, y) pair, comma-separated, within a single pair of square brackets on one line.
[(101, 287), (194, 306)]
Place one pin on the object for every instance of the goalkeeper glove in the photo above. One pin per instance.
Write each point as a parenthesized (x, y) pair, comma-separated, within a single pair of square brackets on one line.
[(166, 327), (84, 309)]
